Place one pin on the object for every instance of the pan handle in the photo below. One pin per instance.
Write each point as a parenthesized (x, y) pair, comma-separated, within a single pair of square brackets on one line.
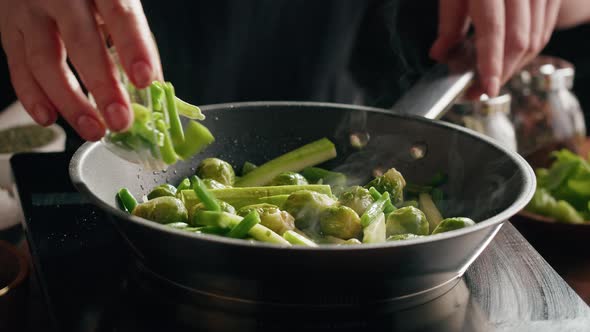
[(436, 91)]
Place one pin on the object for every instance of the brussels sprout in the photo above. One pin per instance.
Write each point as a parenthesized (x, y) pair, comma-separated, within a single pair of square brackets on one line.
[(357, 198), (271, 216), (341, 222), (451, 224), (306, 206), (399, 237), (225, 207), (392, 182), (288, 178), (212, 184), (162, 190), (163, 210), (218, 170), (407, 220)]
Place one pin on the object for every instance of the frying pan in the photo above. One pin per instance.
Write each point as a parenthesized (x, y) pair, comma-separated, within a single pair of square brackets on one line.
[(487, 183)]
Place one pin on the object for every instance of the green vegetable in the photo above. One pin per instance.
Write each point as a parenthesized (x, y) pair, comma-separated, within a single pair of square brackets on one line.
[(407, 220), (375, 232), (212, 184), (196, 138), (270, 216), (308, 155), (317, 174), (188, 110), (545, 204), (389, 207), (278, 200), (222, 220), (218, 170), (298, 239), (451, 224), (247, 167), (204, 195), (391, 182), (166, 150), (288, 179), (374, 211), (162, 190), (245, 225), (239, 197), (176, 132), (163, 210), (223, 206), (430, 210), (258, 232), (157, 93), (358, 199), (307, 206), (127, 200), (341, 222)]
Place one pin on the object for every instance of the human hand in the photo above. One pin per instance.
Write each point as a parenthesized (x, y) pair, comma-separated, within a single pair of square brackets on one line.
[(39, 35), (508, 34)]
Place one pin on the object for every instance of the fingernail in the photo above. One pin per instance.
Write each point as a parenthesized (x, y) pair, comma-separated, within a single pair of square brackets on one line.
[(41, 115), (89, 128), (142, 73), (117, 116), (493, 86)]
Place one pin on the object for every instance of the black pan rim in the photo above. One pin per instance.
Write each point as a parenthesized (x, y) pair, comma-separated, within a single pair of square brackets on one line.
[(522, 200)]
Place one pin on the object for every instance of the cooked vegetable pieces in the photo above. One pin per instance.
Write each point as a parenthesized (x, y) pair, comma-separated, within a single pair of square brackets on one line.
[(159, 130), (563, 190), (292, 209)]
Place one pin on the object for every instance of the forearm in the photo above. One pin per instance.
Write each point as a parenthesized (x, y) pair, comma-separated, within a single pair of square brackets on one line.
[(572, 13)]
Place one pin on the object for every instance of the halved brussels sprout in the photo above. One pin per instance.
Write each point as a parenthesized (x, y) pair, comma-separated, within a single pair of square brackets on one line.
[(451, 224), (341, 222), (162, 190), (357, 198), (306, 206), (407, 220), (288, 178), (163, 210), (218, 170), (271, 216), (392, 182)]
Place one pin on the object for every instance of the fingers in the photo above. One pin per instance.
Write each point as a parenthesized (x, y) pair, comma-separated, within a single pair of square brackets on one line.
[(87, 52), (551, 14), (28, 91), (488, 18), (132, 38), (452, 27), (518, 25), (46, 58)]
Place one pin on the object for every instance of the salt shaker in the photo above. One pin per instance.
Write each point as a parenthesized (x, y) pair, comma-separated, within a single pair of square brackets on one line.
[(489, 116)]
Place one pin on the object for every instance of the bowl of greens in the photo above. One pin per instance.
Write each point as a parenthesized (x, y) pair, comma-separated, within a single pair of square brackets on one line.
[(557, 219)]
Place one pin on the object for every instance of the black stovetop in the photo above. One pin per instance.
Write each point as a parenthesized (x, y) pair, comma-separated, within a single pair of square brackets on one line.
[(90, 282)]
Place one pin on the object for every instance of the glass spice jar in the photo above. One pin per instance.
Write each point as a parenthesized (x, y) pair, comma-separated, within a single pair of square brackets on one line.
[(489, 116), (546, 114)]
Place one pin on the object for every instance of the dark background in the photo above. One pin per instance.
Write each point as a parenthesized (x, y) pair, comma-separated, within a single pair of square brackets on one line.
[(346, 51)]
